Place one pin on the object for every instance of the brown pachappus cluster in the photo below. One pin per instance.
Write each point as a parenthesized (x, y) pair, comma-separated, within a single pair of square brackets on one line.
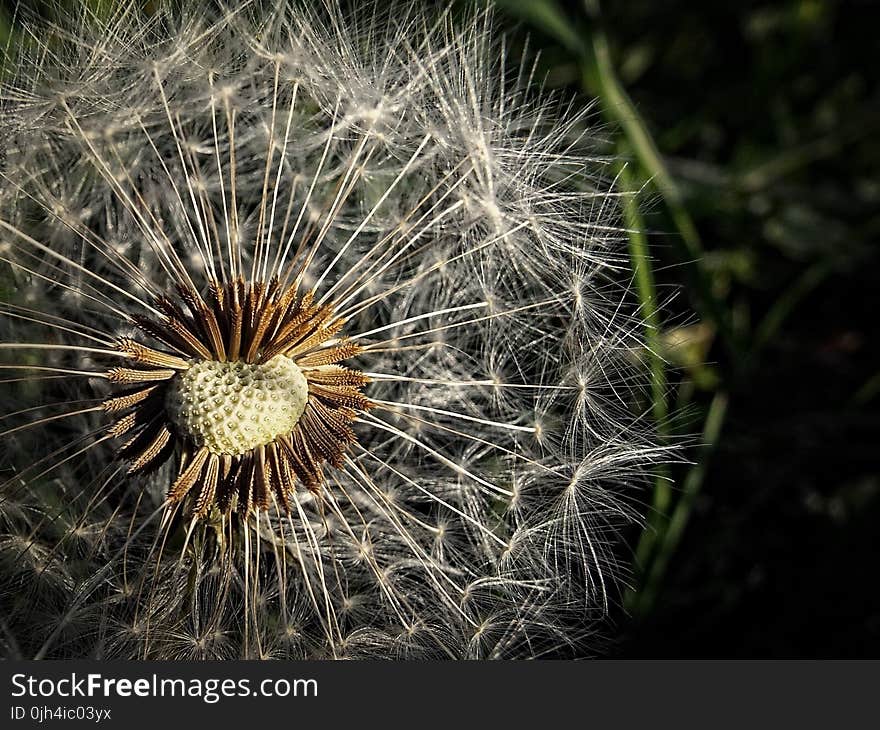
[(249, 395)]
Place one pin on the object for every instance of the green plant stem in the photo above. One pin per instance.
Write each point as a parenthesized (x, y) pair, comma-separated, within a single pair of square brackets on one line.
[(647, 295), (668, 542), (600, 80)]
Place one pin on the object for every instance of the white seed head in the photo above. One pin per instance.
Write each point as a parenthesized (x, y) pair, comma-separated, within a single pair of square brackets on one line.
[(461, 219), (233, 407)]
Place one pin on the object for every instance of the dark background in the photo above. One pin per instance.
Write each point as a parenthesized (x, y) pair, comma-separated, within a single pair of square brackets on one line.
[(763, 211)]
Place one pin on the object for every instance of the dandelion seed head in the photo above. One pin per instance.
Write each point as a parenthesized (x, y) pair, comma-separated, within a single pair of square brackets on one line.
[(312, 307)]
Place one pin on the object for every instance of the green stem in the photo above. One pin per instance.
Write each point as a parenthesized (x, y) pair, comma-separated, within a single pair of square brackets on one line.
[(600, 80), (668, 542), (646, 292)]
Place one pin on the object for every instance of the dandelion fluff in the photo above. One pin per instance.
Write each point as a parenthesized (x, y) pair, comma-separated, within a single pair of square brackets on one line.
[(311, 342)]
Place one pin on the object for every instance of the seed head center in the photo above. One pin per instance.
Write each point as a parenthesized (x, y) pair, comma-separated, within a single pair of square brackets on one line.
[(233, 407)]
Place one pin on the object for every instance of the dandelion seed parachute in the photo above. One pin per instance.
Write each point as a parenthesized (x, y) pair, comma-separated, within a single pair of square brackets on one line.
[(312, 320)]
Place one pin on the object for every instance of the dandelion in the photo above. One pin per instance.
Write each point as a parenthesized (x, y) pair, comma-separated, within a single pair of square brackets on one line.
[(314, 321)]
